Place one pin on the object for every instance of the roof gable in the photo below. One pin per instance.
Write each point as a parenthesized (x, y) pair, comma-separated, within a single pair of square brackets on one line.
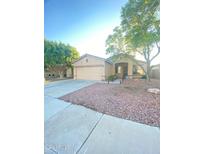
[(87, 55)]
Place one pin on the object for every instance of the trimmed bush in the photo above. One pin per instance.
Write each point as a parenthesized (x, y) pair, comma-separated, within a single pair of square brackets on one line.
[(144, 77), (112, 78)]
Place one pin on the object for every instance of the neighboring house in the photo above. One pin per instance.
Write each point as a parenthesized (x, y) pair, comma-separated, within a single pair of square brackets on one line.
[(69, 73), (50, 75), (155, 73), (58, 72), (89, 67)]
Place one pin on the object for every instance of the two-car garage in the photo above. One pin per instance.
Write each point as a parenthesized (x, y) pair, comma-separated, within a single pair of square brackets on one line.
[(89, 72)]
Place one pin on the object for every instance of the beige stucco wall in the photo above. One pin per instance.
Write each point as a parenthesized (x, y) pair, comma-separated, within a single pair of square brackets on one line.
[(109, 70), (155, 72), (91, 61), (92, 69), (140, 70)]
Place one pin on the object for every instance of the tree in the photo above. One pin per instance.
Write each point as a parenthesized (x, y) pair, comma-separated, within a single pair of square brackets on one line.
[(139, 31), (140, 22), (118, 47), (116, 43), (58, 56), (74, 55)]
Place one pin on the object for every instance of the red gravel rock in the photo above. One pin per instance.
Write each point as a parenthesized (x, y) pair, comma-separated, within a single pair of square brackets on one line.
[(129, 100)]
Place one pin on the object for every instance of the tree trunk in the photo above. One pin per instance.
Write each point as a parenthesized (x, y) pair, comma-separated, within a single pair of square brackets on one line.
[(148, 71)]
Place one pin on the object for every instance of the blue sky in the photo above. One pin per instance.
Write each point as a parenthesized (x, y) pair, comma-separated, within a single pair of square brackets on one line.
[(84, 24)]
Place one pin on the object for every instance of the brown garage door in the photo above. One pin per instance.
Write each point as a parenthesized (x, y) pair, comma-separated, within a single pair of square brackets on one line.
[(90, 73)]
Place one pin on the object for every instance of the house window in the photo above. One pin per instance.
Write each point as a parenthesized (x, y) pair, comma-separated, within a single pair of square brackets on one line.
[(86, 60)]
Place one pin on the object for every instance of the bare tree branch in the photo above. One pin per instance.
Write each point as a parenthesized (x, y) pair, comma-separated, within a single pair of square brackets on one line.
[(145, 55)]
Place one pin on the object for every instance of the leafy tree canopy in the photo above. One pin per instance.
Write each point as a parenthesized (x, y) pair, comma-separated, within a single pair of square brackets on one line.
[(139, 31), (140, 22), (58, 54)]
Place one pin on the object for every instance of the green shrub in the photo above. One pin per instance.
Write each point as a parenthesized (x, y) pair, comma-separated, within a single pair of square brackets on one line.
[(144, 77), (112, 78)]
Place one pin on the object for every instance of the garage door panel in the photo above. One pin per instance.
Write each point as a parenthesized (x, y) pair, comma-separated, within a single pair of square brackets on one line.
[(90, 73)]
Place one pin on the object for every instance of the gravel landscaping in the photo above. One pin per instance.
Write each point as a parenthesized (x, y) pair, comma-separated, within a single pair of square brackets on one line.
[(129, 100)]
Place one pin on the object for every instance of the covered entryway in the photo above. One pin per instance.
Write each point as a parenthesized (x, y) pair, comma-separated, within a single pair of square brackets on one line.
[(89, 72), (121, 69)]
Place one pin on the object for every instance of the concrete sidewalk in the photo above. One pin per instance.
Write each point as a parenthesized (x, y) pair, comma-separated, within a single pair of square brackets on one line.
[(71, 129)]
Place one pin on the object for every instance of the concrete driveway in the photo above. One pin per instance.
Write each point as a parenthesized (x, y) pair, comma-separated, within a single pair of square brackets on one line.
[(54, 90), (71, 129)]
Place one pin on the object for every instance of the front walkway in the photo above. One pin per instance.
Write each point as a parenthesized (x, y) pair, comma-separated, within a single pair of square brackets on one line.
[(71, 129)]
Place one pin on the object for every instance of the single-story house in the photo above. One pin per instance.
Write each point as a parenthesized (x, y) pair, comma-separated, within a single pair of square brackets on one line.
[(89, 67)]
